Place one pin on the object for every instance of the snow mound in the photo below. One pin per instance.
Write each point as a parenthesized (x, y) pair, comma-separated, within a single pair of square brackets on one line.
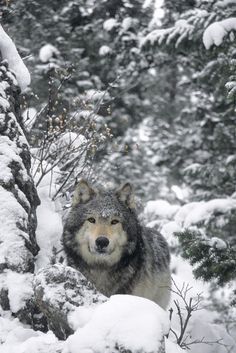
[(135, 323), (215, 33), (10, 53), (18, 339), (47, 52)]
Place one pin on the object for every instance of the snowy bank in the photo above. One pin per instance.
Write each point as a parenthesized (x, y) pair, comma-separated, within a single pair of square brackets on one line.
[(132, 323)]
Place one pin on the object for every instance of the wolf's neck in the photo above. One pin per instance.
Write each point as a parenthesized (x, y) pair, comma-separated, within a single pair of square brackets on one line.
[(117, 279)]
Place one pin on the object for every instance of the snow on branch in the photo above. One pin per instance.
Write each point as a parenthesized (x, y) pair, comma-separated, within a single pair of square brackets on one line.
[(216, 32), (9, 52)]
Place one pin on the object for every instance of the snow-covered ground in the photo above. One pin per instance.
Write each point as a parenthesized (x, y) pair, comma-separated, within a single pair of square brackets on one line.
[(136, 323)]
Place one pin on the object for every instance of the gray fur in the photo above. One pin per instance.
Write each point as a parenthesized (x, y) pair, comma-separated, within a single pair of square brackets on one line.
[(143, 267)]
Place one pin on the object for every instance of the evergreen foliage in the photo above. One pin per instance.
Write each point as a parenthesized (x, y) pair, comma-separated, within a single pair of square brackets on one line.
[(212, 262), (208, 115)]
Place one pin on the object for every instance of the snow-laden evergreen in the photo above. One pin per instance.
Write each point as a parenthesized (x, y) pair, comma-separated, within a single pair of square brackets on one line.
[(10, 53)]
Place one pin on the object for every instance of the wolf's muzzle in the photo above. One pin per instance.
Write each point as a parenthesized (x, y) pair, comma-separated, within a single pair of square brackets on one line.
[(101, 244)]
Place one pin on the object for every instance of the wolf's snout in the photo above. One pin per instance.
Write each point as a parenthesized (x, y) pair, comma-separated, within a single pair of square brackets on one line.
[(102, 243)]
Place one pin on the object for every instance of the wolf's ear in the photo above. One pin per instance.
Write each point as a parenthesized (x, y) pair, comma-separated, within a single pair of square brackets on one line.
[(125, 194), (83, 193)]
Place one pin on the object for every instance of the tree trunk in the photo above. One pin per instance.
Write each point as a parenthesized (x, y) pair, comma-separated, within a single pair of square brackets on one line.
[(18, 199)]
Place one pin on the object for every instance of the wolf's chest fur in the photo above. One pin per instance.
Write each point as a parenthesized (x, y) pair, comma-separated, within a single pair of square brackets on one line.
[(145, 283), (111, 282)]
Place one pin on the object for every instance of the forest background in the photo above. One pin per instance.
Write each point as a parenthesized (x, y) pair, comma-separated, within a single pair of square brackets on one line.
[(141, 91)]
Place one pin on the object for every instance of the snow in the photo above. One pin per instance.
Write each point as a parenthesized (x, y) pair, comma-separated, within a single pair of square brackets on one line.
[(181, 193), (95, 95), (173, 347), (49, 230), (225, 3), (158, 13), (29, 116), (160, 209), (127, 23), (15, 338), (215, 33), (135, 323), (4, 103), (218, 243), (104, 50), (109, 24), (202, 328), (19, 289), (47, 52), (10, 53), (168, 230), (48, 233), (157, 35), (9, 152), (3, 86), (195, 212), (10, 212)]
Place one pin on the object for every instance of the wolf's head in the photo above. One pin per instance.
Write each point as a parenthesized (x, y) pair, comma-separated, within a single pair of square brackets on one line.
[(102, 226)]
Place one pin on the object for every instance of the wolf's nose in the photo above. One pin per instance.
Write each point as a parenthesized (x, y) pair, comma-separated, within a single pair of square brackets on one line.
[(102, 242)]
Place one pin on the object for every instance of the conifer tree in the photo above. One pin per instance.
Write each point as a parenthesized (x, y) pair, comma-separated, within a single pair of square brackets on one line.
[(201, 36)]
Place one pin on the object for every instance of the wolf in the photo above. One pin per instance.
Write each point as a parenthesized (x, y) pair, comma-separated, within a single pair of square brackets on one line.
[(105, 241)]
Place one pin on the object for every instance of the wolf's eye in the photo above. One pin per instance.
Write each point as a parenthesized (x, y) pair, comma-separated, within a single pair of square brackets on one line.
[(91, 220), (114, 221)]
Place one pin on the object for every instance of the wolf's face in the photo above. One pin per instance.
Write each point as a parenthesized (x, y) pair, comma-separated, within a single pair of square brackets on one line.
[(102, 236), (101, 240)]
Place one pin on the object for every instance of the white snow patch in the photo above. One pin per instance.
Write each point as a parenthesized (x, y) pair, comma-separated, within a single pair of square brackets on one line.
[(3, 86), (127, 23), (47, 52), (104, 50), (195, 212), (19, 289), (29, 116), (4, 104), (172, 347), (135, 323), (225, 3), (95, 95), (215, 33), (11, 242), (217, 243), (157, 35), (9, 152), (181, 193), (24, 340), (160, 209), (49, 229), (10, 53), (168, 230), (109, 24), (203, 327)]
